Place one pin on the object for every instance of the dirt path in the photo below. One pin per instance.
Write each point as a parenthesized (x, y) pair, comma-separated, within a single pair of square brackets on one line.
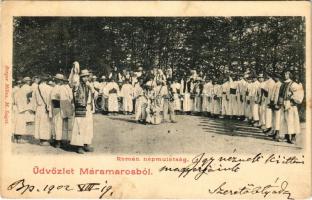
[(191, 134)]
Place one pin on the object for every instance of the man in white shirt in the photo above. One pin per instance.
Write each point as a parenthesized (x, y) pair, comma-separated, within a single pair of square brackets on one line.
[(266, 98), (127, 94), (113, 92), (262, 104), (42, 106), (23, 105), (56, 112), (291, 96), (225, 98), (255, 101), (276, 121)]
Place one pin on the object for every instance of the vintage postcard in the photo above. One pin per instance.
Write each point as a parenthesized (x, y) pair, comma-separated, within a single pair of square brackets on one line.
[(155, 99)]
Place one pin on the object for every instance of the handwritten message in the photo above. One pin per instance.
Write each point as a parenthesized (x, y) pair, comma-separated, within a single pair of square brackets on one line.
[(196, 168), (203, 164)]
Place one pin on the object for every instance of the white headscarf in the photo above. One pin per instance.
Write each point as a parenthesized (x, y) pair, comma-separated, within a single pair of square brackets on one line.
[(74, 74)]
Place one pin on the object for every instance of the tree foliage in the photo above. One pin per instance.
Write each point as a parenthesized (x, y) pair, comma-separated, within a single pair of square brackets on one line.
[(213, 45)]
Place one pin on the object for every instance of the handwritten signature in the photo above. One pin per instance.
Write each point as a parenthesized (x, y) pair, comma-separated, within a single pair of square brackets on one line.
[(278, 188), (21, 186)]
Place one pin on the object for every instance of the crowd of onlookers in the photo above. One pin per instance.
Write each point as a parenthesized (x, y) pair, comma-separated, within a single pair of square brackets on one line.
[(266, 100)]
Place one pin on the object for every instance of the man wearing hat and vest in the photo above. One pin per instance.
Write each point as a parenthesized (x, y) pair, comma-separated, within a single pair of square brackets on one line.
[(42, 107), (23, 105), (82, 133)]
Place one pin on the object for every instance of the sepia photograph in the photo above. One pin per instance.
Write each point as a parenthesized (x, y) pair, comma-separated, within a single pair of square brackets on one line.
[(156, 100), (158, 85)]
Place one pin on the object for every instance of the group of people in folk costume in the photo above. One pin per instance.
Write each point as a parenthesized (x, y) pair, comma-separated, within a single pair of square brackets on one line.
[(268, 101), (57, 105)]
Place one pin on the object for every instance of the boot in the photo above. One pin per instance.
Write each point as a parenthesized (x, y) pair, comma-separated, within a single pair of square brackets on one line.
[(288, 138), (57, 144), (277, 137), (80, 150), (293, 138), (273, 134), (267, 130), (88, 148)]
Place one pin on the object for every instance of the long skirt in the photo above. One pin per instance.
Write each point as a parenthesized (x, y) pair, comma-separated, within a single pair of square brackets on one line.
[(205, 104), (197, 104), (248, 111), (127, 104), (187, 103), (277, 120), (42, 124), (241, 107), (268, 117), (255, 111), (177, 102), (140, 108), (225, 106), (57, 121), (233, 105), (262, 109), (20, 124), (82, 132), (216, 106), (290, 122), (113, 103)]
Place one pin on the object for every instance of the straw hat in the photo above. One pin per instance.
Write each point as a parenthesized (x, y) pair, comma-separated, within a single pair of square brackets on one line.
[(26, 79), (59, 77), (84, 72)]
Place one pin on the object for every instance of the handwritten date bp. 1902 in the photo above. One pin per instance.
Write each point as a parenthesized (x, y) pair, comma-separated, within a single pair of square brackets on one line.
[(22, 187)]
